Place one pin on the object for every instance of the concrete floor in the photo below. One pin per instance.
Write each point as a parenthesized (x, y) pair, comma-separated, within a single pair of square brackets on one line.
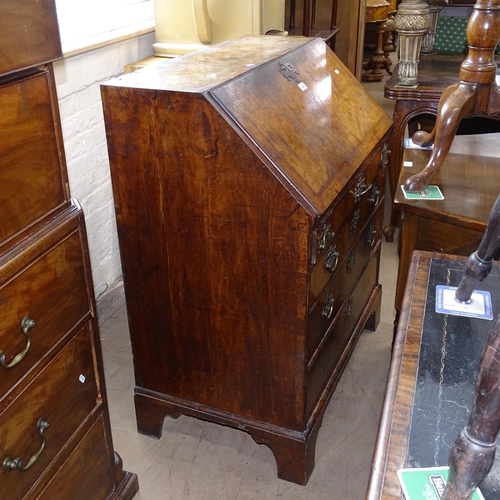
[(196, 460)]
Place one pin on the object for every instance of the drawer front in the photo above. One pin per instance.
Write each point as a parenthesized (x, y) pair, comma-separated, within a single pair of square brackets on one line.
[(326, 362), (62, 396), (52, 292), (30, 33), (31, 177), (436, 236), (324, 312), (337, 247), (90, 483)]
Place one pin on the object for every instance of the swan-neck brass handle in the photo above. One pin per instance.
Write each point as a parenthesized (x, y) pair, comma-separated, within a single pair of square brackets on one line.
[(17, 463), (26, 324), (360, 189)]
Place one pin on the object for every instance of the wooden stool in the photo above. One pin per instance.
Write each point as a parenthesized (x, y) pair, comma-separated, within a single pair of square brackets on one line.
[(470, 185)]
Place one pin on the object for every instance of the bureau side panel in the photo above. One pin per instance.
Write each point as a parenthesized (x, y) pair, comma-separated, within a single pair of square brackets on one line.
[(214, 252)]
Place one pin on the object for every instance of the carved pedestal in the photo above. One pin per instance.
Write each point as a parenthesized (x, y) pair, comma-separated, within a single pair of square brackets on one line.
[(412, 21)]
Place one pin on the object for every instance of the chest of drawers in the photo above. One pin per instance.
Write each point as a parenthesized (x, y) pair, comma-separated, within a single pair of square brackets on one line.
[(249, 182), (54, 423)]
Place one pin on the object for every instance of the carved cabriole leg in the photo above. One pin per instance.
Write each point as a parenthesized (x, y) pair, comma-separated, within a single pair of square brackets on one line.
[(455, 103), (480, 262), (435, 7), (476, 94), (411, 22), (473, 452), (404, 111)]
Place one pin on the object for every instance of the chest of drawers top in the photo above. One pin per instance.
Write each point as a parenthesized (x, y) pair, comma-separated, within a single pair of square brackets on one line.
[(30, 34)]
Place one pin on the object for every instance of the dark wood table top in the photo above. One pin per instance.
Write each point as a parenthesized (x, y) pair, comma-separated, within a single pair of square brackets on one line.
[(435, 73), (431, 381), (392, 442), (470, 185)]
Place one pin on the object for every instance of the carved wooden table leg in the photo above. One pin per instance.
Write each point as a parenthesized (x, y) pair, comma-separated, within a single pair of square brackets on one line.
[(473, 451), (476, 94), (456, 102), (411, 22), (480, 262)]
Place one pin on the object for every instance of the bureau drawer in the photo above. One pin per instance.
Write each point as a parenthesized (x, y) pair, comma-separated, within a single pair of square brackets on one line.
[(340, 244), (62, 396), (334, 295), (359, 188), (96, 482), (326, 362), (50, 290), (32, 182)]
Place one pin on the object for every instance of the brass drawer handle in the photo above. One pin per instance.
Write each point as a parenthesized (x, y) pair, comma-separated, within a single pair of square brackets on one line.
[(327, 310), (17, 463), (360, 189), (332, 259), (370, 237), (26, 324), (326, 235), (374, 197)]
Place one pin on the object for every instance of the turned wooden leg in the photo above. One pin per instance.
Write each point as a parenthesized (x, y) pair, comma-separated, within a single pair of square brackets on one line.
[(480, 262), (473, 452), (453, 106), (373, 71)]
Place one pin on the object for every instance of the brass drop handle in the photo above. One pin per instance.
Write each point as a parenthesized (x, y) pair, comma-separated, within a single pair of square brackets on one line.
[(26, 324), (327, 310), (332, 259), (17, 463), (370, 237), (360, 189), (374, 197)]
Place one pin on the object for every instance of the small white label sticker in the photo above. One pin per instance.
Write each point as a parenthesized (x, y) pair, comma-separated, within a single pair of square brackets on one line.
[(302, 86), (337, 71), (81, 378), (407, 164)]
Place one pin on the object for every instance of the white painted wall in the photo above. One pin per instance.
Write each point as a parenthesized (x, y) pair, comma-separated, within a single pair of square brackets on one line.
[(78, 79)]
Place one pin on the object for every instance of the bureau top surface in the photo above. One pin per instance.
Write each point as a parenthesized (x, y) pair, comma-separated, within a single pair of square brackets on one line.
[(207, 68), (291, 100)]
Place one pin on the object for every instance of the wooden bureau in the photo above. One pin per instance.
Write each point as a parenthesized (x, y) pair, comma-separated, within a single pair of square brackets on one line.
[(249, 182), (54, 423)]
